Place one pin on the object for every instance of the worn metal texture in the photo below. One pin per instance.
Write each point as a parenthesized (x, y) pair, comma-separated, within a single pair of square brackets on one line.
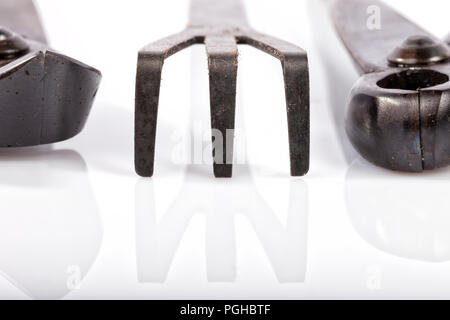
[(398, 113), (45, 97), (221, 25)]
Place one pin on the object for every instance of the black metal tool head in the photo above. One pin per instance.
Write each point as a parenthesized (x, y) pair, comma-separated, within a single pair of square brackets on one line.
[(398, 112), (45, 97), (221, 25)]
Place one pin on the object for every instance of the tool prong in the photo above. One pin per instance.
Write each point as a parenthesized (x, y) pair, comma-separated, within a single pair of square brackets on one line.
[(148, 82), (222, 54), (294, 62), (222, 25)]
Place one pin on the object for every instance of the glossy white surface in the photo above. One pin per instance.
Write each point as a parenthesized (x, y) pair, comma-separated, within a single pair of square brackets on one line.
[(77, 223)]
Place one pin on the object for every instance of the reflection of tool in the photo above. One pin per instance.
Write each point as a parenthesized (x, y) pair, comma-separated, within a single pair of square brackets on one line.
[(221, 201), (398, 214), (45, 97), (49, 242), (221, 25), (398, 112)]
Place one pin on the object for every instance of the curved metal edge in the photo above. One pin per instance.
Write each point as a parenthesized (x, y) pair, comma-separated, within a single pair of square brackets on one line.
[(435, 122), (401, 130), (294, 61), (148, 82), (384, 124), (45, 97)]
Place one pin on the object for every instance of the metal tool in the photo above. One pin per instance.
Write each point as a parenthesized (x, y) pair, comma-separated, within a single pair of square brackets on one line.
[(45, 97), (398, 112), (221, 25)]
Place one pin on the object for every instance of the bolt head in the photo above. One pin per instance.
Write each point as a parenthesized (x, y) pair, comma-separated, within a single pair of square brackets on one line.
[(419, 50), (11, 45)]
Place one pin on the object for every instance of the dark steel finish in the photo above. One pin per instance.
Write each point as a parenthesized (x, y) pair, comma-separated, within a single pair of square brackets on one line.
[(12, 45), (398, 112), (419, 50), (45, 97), (221, 25)]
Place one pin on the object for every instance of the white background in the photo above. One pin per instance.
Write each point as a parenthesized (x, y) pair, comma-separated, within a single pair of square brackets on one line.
[(77, 223)]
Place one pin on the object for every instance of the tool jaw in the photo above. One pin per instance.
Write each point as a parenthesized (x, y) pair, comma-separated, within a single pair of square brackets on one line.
[(435, 120), (45, 97), (398, 112), (399, 119)]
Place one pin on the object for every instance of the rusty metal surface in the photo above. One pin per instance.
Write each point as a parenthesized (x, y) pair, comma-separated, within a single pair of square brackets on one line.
[(45, 97), (221, 26), (397, 115)]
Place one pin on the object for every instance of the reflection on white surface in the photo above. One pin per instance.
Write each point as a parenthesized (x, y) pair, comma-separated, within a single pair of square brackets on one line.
[(341, 264), (403, 214), (221, 200), (50, 229)]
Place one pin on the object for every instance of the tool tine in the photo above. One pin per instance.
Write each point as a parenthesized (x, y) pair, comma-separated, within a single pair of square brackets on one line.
[(447, 39), (294, 61), (223, 65), (148, 82)]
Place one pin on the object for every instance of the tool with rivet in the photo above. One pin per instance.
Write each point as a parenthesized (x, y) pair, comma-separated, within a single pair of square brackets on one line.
[(398, 114), (45, 97), (221, 25)]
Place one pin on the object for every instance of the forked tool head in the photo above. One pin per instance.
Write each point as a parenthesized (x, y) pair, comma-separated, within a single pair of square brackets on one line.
[(398, 112), (221, 25), (45, 97)]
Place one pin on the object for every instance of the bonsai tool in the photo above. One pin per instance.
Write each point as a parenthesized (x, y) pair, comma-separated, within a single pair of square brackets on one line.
[(398, 112), (221, 25), (45, 97)]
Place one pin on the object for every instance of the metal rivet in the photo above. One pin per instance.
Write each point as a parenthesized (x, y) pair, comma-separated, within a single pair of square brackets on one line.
[(419, 50), (11, 45)]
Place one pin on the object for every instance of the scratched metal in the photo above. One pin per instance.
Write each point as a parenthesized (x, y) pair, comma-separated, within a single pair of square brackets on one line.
[(221, 25)]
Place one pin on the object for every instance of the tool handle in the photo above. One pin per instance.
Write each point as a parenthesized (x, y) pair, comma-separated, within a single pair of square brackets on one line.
[(22, 17), (370, 30), (217, 13)]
